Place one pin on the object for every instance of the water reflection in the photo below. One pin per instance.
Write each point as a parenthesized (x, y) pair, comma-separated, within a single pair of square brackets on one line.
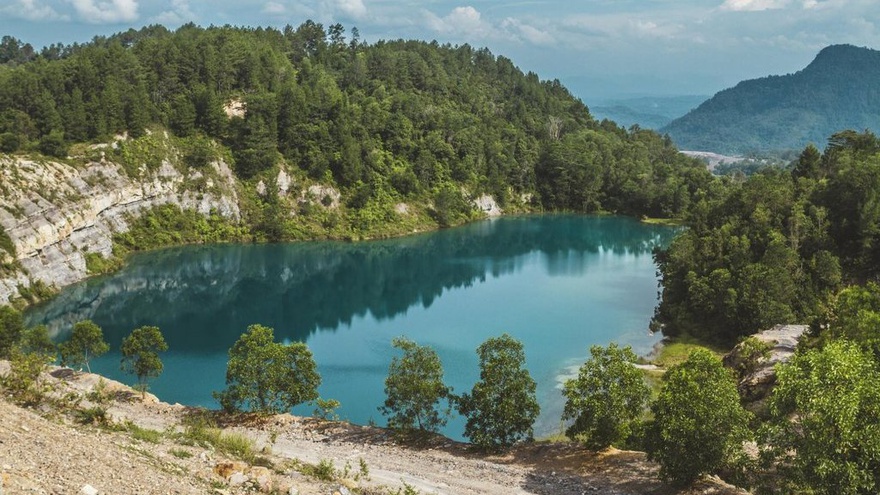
[(204, 297)]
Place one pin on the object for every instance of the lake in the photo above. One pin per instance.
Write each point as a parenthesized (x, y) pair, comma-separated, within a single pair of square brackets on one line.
[(558, 283)]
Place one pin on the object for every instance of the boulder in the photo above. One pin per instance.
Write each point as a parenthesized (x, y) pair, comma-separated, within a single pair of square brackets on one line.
[(756, 385)]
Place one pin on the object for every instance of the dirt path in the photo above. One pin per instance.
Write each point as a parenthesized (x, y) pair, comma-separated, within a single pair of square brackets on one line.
[(40, 455)]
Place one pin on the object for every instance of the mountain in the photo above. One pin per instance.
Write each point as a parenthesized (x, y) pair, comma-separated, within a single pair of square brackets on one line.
[(648, 112), (837, 91)]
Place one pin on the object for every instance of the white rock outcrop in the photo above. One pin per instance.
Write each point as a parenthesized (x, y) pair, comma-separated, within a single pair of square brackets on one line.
[(56, 213)]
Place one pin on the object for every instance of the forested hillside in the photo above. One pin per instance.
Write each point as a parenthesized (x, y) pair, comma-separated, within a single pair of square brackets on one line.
[(777, 247), (837, 91), (432, 126)]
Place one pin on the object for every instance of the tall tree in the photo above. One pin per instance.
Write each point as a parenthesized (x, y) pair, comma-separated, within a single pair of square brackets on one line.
[(140, 355), (699, 425), (501, 407), (86, 342), (266, 376), (607, 398), (414, 388)]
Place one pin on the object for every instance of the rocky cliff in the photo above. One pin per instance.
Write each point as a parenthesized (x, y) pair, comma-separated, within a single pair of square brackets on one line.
[(55, 213)]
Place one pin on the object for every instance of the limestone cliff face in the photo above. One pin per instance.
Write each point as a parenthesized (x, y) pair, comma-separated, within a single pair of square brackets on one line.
[(55, 213)]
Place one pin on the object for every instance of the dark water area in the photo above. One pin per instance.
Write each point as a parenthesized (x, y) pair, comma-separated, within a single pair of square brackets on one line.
[(558, 283)]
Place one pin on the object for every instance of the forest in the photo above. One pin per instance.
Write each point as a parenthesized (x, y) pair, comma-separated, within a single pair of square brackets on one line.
[(388, 122)]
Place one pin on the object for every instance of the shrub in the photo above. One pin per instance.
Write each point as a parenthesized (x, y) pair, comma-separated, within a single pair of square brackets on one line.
[(699, 425), (607, 398)]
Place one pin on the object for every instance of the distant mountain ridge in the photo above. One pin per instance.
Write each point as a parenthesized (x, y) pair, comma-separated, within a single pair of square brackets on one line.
[(839, 89), (648, 112)]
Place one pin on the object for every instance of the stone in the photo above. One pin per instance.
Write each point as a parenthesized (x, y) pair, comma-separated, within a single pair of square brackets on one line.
[(88, 490), (237, 478), (226, 468)]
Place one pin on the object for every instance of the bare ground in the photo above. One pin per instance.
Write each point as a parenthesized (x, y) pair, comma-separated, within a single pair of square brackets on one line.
[(46, 452)]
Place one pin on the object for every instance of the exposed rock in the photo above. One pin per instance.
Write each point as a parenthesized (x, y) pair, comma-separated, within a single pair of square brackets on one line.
[(237, 478), (56, 213), (755, 386), (324, 195), (227, 468), (487, 205), (88, 490), (283, 181), (235, 108)]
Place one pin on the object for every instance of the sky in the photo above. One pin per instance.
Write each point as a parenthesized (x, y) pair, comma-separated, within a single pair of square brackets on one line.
[(600, 49)]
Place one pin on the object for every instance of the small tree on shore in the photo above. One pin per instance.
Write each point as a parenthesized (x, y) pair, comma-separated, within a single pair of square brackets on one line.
[(140, 355), (502, 407), (699, 425), (11, 328), (266, 376), (414, 388), (607, 398), (86, 342)]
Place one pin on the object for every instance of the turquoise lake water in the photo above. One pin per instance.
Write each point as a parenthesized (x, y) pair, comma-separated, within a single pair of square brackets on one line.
[(558, 283)]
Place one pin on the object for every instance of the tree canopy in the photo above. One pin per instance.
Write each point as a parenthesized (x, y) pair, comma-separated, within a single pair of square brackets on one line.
[(414, 389), (502, 407), (266, 376)]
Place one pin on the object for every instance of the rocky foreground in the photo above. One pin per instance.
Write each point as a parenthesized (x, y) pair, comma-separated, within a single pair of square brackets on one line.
[(144, 448)]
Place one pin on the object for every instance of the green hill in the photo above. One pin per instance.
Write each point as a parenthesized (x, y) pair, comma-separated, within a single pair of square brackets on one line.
[(837, 91), (429, 125)]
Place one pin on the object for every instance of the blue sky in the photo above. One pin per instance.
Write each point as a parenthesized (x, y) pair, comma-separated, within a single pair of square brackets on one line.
[(598, 48)]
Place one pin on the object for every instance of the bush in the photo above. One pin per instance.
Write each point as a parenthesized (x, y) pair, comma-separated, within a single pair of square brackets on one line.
[(11, 329), (140, 355), (53, 144), (823, 434), (414, 388), (699, 425), (23, 382), (268, 377), (501, 407), (9, 142), (607, 398)]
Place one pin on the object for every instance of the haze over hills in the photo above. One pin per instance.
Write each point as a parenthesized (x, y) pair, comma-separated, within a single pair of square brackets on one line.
[(649, 112), (837, 91)]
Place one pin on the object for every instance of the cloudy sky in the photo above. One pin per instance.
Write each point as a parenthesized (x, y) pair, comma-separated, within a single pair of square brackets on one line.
[(599, 48)]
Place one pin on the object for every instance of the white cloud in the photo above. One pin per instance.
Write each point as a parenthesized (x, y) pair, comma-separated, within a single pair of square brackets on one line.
[(353, 8), (179, 13), (273, 8), (753, 5), (106, 12), (32, 10), (461, 21), (518, 29)]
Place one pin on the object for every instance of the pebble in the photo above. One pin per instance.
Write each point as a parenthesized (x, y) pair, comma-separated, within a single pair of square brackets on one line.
[(88, 490)]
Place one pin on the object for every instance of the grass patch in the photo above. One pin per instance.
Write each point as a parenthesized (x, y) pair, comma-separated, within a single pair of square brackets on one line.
[(677, 351), (181, 453), (669, 222), (144, 434), (97, 264), (201, 431)]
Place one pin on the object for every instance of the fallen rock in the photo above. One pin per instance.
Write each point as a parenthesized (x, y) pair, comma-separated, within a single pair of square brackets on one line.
[(237, 478), (756, 385), (226, 468)]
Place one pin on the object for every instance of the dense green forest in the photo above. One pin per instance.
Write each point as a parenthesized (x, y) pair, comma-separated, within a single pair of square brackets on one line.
[(837, 91), (776, 247), (389, 122)]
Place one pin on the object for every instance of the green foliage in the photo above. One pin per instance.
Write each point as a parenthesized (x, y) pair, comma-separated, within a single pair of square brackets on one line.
[(36, 340), (9, 142), (168, 225), (86, 342), (326, 409), (53, 144), (200, 430), (699, 425), (143, 434), (501, 407), (855, 316), (268, 377), (836, 91), (823, 434), (23, 382), (11, 330), (414, 388), (752, 352), (140, 354), (6, 243), (607, 398), (97, 264)]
